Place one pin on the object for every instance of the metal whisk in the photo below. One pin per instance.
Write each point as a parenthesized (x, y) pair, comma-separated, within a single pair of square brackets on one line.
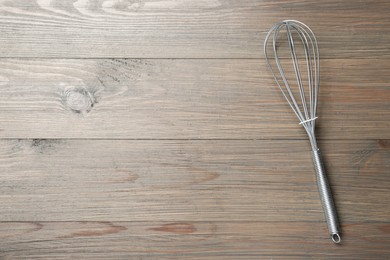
[(302, 95)]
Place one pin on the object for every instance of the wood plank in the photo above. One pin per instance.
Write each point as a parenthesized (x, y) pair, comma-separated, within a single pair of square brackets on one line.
[(182, 99), (236, 180), (185, 29), (190, 240)]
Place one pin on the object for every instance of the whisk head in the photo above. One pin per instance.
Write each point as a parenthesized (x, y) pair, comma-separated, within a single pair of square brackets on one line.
[(296, 74)]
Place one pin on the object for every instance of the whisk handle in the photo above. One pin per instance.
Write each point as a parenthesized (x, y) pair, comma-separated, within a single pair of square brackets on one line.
[(326, 198)]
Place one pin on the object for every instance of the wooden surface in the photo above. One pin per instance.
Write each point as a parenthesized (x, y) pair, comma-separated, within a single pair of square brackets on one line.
[(153, 130)]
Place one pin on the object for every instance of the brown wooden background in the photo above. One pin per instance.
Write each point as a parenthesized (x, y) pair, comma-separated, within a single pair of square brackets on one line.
[(153, 130)]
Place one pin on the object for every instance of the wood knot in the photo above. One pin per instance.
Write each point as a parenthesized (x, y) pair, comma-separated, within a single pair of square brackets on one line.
[(177, 228), (78, 99), (44, 145), (384, 144)]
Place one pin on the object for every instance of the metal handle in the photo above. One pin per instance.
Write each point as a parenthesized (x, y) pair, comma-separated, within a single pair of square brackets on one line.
[(326, 198)]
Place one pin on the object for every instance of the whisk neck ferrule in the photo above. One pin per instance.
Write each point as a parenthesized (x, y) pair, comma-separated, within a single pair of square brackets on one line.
[(313, 140)]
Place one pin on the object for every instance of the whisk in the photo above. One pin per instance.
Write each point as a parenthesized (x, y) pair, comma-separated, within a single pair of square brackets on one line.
[(302, 95)]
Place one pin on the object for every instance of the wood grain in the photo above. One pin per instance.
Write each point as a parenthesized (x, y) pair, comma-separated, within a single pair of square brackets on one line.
[(153, 130), (189, 240), (181, 99), (118, 180), (185, 28)]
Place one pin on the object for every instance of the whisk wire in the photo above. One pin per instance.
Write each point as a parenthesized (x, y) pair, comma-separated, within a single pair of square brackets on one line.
[(307, 33), (288, 96), (308, 59), (297, 70)]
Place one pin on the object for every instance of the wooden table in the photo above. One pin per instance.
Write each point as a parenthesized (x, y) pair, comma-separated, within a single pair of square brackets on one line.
[(153, 130)]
